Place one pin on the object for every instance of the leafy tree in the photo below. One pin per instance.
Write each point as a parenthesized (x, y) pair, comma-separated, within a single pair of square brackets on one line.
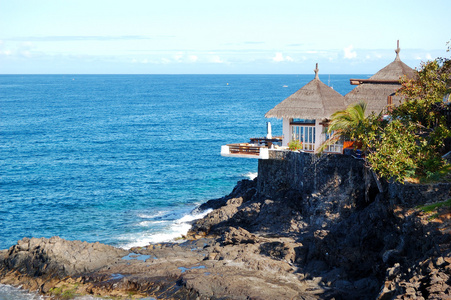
[(420, 94), (398, 151), (410, 141), (347, 124)]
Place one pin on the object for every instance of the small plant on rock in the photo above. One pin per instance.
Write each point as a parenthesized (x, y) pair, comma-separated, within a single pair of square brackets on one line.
[(294, 145)]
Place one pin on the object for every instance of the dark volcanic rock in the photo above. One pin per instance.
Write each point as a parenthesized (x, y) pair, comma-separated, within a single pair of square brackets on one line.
[(39, 264), (201, 269), (58, 258), (235, 236), (308, 228), (245, 189), (214, 219)]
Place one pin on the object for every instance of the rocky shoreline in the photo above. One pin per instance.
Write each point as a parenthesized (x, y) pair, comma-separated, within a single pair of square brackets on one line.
[(347, 237)]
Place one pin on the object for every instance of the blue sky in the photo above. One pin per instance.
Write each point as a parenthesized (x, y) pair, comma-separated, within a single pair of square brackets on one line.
[(218, 37)]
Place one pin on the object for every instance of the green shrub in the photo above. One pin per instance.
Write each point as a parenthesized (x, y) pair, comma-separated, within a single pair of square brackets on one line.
[(295, 145)]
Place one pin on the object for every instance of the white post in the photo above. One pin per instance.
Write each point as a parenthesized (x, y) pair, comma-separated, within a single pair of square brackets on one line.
[(225, 150), (318, 134), (286, 132), (264, 153), (268, 130)]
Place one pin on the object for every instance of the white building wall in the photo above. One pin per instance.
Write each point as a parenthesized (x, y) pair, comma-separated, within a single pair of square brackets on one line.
[(318, 134), (286, 132)]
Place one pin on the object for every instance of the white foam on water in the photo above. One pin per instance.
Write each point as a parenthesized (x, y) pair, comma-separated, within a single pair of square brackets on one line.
[(8, 292), (169, 234), (251, 175), (150, 223), (152, 216)]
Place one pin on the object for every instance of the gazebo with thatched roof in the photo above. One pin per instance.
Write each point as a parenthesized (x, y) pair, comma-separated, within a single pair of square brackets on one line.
[(379, 91), (304, 114)]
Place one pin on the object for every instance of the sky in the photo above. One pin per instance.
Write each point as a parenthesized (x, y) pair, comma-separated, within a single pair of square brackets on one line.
[(218, 37)]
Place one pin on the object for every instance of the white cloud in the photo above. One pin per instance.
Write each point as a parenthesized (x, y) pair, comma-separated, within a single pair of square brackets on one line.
[(193, 58), (70, 38), (215, 59), (349, 53), (142, 61), (424, 57), (279, 57), (5, 52), (25, 53), (178, 57), (22, 50)]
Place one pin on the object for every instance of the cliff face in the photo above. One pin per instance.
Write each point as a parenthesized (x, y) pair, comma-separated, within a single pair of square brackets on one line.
[(326, 188), (366, 230), (307, 228), (307, 174), (362, 236)]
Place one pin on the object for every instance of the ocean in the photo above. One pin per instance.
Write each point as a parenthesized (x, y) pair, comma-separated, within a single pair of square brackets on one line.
[(124, 159)]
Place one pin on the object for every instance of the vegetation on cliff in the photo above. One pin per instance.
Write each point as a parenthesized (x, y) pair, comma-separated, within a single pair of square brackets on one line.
[(406, 141)]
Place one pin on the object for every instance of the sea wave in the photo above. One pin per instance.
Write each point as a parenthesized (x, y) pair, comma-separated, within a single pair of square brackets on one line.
[(8, 292), (151, 216), (251, 175), (150, 223), (170, 233)]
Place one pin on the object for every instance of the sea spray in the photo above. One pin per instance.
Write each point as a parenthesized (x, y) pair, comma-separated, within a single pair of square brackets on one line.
[(172, 233), (8, 292), (251, 175)]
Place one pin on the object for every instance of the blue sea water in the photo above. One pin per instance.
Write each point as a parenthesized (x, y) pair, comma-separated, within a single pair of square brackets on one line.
[(124, 159)]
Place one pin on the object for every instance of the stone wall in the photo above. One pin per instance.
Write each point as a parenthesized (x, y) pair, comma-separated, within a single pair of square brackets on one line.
[(307, 173), (337, 175)]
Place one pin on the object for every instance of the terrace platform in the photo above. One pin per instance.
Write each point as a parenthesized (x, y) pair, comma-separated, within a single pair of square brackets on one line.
[(256, 148)]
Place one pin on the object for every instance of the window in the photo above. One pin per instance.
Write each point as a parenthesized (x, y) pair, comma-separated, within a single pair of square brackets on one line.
[(337, 147), (302, 121), (305, 134)]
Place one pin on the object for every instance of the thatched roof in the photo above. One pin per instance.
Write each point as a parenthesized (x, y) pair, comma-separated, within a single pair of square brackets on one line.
[(375, 95), (315, 100), (375, 90), (394, 71)]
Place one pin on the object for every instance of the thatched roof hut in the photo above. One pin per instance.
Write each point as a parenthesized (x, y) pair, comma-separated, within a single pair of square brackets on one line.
[(379, 90), (315, 100)]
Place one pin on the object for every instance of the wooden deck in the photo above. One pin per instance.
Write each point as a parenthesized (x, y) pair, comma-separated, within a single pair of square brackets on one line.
[(244, 149), (256, 148)]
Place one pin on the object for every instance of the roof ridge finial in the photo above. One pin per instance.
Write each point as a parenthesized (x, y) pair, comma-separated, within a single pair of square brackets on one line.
[(316, 71), (397, 51)]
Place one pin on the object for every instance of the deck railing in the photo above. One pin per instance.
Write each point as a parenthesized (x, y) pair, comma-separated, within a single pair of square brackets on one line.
[(244, 148)]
